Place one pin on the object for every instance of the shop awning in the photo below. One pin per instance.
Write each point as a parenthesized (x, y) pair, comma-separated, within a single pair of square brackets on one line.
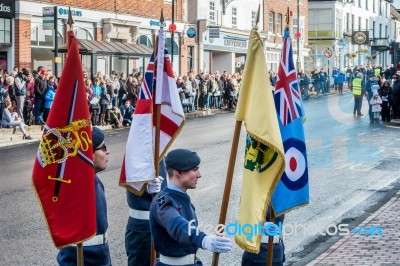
[(110, 48)]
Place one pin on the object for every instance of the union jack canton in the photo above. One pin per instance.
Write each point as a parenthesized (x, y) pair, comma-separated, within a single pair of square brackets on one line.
[(287, 94)]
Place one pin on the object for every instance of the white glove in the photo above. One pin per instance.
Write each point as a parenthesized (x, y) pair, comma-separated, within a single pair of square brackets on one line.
[(155, 185), (217, 244)]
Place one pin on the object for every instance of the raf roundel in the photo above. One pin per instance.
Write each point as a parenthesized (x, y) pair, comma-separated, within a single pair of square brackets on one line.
[(295, 164), (295, 176)]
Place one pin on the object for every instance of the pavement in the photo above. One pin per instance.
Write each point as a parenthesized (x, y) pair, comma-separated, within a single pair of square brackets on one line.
[(377, 243), (12, 137), (368, 246)]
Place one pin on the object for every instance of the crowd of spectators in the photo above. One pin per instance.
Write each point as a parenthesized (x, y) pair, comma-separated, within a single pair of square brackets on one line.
[(26, 98), (380, 87)]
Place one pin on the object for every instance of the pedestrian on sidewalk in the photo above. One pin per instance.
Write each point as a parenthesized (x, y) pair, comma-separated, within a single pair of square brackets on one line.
[(396, 96), (386, 96), (40, 88), (49, 97), (371, 86), (358, 92), (3, 98), (20, 91), (11, 119), (375, 103), (340, 79)]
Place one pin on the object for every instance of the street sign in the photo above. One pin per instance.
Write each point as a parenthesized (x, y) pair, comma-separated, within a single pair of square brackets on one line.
[(328, 53), (191, 32), (213, 32), (48, 18), (172, 28)]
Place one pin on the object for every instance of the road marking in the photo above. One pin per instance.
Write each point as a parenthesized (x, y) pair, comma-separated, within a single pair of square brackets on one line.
[(378, 152)]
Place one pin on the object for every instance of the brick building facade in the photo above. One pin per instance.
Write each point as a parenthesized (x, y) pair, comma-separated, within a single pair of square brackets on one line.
[(275, 13), (98, 20)]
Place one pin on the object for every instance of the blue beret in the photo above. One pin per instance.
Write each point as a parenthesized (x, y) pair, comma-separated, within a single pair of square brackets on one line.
[(97, 137), (182, 159)]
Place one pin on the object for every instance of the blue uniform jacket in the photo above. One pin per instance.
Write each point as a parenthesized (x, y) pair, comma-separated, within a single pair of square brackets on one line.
[(170, 213), (142, 203), (98, 255)]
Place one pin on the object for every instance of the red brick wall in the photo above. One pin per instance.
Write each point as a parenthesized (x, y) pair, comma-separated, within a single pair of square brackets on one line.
[(23, 43), (280, 7), (144, 8), (185, 43), (98, 34)]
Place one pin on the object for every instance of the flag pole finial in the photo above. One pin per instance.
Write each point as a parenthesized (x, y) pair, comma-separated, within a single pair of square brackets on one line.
[(162, 18), (287, 17), (258, 15), (70, 21)]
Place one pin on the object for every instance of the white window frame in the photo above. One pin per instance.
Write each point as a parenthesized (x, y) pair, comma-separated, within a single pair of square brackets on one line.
[(272, 59), (279, 20), (253, 18), (211, 14), (234, 17), (271, 27)]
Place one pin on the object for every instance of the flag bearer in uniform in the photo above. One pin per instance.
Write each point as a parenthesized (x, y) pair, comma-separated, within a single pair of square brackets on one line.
[(95, 250), (173, 218), (137, 235)]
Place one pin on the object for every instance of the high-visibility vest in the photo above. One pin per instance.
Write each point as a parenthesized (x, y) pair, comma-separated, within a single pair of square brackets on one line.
[(357, 86)]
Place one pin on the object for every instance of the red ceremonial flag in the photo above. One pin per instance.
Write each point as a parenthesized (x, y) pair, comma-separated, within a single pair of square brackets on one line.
[(63, 173)]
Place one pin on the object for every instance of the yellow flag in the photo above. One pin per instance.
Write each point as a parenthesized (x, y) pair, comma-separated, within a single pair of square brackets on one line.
[(264, 160)]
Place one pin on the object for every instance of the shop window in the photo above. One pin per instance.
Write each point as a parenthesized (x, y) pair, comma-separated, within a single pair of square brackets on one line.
[(319, 23), (44, 38), (168, 44), (143, 39), (83, 34), (5, 30)]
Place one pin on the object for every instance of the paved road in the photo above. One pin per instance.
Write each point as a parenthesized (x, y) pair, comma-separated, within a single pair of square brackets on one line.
[(349, 161)]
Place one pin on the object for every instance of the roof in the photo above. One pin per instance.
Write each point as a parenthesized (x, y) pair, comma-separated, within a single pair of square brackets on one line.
[(394, 12), (109, 48)]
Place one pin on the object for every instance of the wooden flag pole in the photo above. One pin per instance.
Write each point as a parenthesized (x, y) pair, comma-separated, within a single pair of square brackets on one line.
[(79, 254), (157, 134), (228, 182), (79, 247), (270, 250)]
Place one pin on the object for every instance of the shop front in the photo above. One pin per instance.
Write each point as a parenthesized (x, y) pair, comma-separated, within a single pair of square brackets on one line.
[(225, 53), (7, 15)]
